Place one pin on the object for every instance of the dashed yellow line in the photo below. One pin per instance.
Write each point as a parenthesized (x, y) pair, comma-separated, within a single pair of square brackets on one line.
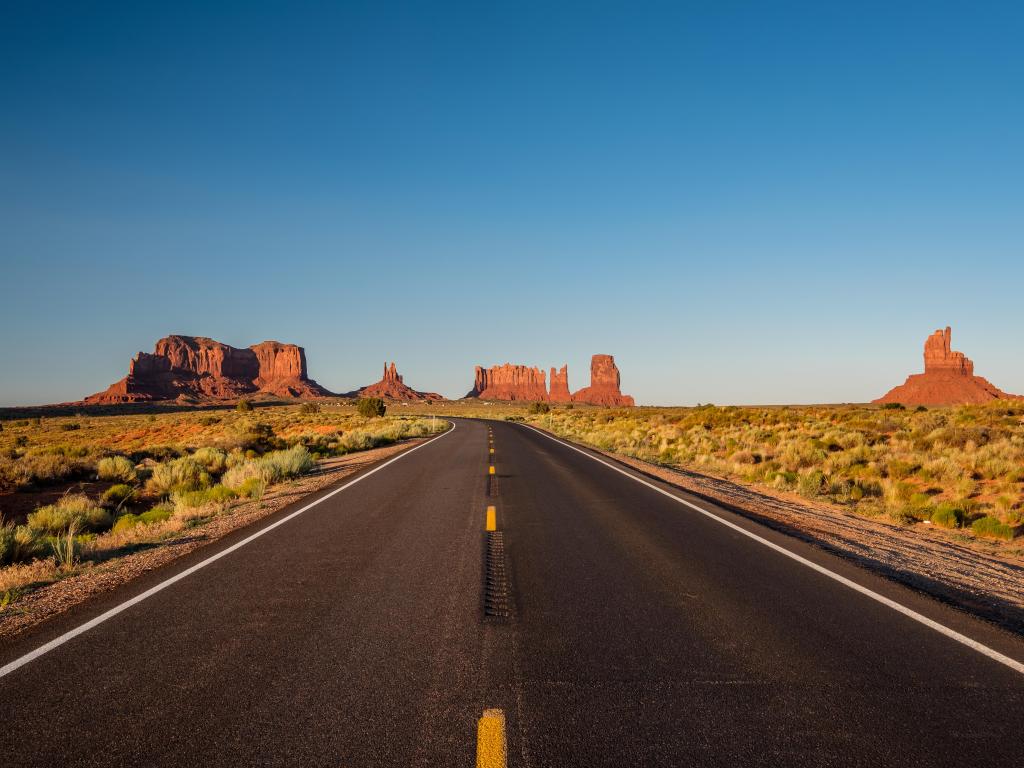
[(492, 519), (490, 740), (490, 470)]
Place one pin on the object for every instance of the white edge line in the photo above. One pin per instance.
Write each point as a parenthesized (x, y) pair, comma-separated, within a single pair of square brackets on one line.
[(940, 628), (71, 634)]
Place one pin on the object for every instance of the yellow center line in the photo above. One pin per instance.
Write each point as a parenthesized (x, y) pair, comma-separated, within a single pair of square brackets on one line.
[(490, 470), (490, 740), (492, 519)]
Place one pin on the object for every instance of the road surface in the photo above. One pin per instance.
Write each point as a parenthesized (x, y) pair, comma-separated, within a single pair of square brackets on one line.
[(640, 632)]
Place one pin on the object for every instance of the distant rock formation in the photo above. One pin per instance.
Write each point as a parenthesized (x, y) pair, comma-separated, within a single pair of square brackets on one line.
[(519, 382), (509, 382), (948, 379), (560, 385), (392, 387), (198, 368), (604, 384)]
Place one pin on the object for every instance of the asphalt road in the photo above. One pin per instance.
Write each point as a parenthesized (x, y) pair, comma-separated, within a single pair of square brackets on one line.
[(641, 633)]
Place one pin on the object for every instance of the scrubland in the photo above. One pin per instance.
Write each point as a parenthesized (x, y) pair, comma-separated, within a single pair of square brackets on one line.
[(83, 489)]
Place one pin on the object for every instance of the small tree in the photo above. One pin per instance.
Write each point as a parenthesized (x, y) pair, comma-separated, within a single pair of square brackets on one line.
[(309, 409), (243, 406), (539, 407), (371, 407)]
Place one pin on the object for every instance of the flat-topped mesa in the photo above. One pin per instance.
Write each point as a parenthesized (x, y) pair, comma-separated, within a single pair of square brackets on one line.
[(948, 379), (200, 368), (560, 385), (392, 387), (938, 357), (604, 384), (509, 382)]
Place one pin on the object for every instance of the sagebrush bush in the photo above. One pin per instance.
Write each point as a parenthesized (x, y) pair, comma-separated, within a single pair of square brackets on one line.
[(282, 465), (213, 460), (77, 511), (179, 475), (118, 469)]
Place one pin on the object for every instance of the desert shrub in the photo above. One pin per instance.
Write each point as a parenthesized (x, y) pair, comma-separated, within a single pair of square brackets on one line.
[(809, 484), (179, 475), (243, 406), (77, 511), (539, 407), (249, 434), (992, 527), (240, 474), (116, 468), (947, 516), (281, 465), (253, 488), (21, 441), (70, 427), (309, 409), (116, 495), (371, 407), (157, 514), (124, 522), (213, 460), (7, 542)]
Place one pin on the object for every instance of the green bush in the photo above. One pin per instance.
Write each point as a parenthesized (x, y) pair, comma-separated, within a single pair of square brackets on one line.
[(7, 542), (992, 527), (371, 407), (71, 427), (178, 476), (240, 474), (253, 488), (116, 469), (310, 409), (243, 406), (893, 407), (539, 407), (76, 512), (116, 495), (947, 516), (157, 514)]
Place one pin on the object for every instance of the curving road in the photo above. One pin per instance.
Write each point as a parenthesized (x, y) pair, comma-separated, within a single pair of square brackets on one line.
[(641, 632)]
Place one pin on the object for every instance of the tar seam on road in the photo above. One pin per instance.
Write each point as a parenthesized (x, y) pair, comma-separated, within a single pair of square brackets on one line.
[(898, 607), (81, 629)]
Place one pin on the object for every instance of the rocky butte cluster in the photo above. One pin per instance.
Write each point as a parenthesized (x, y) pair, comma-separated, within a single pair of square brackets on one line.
[(392, 387), (198, 368), (519, 382), (948, 379)]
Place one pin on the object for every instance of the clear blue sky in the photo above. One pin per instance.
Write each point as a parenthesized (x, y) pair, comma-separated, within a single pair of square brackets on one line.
[(743, 202)]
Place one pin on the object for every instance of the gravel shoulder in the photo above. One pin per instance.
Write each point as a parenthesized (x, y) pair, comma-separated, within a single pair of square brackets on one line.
[(53, 599), (984, 579)]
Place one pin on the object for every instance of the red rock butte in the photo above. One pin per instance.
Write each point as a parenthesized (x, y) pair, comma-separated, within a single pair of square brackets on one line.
[(392, 387), (520, 382), (948, 379), (198, 368)]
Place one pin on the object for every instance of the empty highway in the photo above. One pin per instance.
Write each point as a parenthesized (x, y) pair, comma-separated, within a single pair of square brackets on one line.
[(626, 629)]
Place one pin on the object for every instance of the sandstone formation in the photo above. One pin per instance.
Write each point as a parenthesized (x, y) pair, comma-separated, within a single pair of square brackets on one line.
[(519, 382), (509, 382), (392, 387), (560, 385), (948, 379), (198, 368), (604, 384)]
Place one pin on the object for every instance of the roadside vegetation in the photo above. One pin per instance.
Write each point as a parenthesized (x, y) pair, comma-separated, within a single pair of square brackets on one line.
[(955, 468), (126, 481)]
